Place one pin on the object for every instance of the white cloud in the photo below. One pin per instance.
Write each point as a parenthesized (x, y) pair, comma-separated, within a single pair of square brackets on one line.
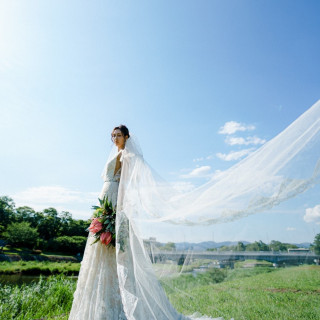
[(63, 199), (53, 194), (312, 214), (234, 155), (244, 141), (231, 127), (291, 229), (199, 172)]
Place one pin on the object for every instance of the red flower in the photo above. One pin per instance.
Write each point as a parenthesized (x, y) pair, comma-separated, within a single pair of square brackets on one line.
[(106, 237), (95, 225)]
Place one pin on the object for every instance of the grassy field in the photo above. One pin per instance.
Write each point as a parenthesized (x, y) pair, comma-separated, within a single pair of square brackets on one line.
[(256, 293), (37, 267), (283, 294)]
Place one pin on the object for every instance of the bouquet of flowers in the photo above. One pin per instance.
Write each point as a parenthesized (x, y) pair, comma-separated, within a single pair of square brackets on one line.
[(103, 223)]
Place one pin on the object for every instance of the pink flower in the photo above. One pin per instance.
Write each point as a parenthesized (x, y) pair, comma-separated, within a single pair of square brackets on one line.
[(106, 237), (95, 225)]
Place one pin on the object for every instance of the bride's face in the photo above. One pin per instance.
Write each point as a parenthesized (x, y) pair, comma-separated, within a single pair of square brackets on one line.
[(118, 139)]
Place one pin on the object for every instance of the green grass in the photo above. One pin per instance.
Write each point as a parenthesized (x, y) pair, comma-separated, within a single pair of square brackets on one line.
[(291, 293), (39, 267), (26, 251), (51, 298), (240, 273), (258, 293)]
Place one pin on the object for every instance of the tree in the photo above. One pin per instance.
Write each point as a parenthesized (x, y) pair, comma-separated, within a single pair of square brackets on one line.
[(7, 206), (71, 227), (49, 224), (263, 246), (257, 246), (240, 246), (21, 234), (226, 248), (78, 228), (170, 246), (316, 244), (279, 246), (26, 214)]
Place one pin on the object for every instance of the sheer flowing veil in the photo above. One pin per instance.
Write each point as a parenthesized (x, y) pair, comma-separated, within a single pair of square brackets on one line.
[(284, 167)]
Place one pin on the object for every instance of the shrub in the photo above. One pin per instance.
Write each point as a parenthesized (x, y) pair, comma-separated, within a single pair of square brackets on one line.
[(21, 234), (72, 245)]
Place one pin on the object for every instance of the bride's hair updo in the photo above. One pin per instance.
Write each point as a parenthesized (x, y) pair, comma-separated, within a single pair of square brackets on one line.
[(124, 130)]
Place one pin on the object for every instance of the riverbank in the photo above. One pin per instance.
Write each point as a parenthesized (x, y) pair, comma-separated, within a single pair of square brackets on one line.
[(36, 257), (39, 267)]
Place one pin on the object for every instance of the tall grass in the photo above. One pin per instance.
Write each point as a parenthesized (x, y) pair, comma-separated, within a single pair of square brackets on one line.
[(46, 299)]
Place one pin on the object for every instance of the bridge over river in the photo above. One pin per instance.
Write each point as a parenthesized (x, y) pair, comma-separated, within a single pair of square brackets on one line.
[(228, 256)]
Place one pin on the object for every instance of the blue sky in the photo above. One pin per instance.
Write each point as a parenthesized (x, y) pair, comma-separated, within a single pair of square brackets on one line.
[(175, 72)]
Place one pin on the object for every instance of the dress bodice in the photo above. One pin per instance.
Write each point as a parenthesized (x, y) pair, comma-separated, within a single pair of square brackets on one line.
[(111, 181), (110, 175)]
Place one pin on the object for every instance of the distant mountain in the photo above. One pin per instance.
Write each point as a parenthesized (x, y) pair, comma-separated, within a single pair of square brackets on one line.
[(303, 245), (203, 246)]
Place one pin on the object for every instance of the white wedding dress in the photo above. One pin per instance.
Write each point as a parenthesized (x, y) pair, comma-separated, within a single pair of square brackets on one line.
[(97, 296)]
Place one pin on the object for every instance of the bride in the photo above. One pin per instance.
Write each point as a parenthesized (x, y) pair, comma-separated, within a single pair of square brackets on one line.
[(119, 282), (99, 295)]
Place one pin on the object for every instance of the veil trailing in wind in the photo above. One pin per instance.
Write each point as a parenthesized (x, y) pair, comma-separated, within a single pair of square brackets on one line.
[(282, 168)]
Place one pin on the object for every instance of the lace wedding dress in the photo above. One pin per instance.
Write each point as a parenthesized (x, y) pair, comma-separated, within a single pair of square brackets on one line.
[(97, 296)]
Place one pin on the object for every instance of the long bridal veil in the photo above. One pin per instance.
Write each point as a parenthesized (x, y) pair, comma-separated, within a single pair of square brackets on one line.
[(284, 167)]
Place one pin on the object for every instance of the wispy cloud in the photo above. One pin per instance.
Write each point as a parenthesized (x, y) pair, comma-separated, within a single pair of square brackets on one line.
[(312, 214), (291, 229), (63, 199), (234, 155), (203, 158), (244, 141), (53, 194), (200, 172), (231, 127)]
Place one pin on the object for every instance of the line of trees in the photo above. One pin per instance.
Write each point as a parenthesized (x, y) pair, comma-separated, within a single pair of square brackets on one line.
[(53, 231), (261, 246), (42, 230)]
